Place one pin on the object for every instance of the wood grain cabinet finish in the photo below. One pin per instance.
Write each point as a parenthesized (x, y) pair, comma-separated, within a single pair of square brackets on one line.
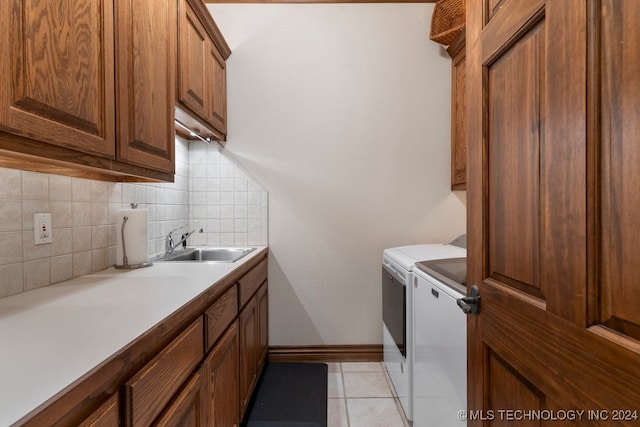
[(220, 315), (250, 282), (253, 343), (248, 351), (222, 371), (458, 125), (217, 78), (202, 81), (57, 73), (89, 84), (188, 408), (263, 324), (146, 37), (194, 45), (107, 415), (147, 393)]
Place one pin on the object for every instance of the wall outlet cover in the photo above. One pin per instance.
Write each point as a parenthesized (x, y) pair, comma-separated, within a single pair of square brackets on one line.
[(42, 228)]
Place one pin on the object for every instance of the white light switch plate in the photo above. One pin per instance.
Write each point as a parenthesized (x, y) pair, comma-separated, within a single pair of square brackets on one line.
[(42, 228)]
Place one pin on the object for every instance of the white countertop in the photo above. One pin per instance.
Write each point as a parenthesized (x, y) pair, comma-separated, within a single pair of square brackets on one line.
[(52, 336)]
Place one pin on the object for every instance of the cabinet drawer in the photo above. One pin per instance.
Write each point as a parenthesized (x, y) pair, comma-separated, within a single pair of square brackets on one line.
[(105, 416), (147, 393), (220, 315), (251, 281)]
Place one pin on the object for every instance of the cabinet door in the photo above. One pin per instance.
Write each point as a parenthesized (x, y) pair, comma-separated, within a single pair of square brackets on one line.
[(222, 381), (193, 64), (187, 410), (263, 326), (248, 351), (458, 130), (57, 73), (153, 387), (105, 416), (217, 76), (145, 69)]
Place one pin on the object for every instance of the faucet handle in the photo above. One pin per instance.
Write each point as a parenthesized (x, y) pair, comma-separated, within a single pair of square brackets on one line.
[(176, 229)]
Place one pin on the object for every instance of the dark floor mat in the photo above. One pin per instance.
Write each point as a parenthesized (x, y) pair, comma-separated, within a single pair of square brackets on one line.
[(291, 395)]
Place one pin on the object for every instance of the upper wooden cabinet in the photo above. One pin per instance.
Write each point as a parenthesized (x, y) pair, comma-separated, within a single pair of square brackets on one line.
[(57, 73), (458, 135), (89, 84), (202, 80), (146, 34)]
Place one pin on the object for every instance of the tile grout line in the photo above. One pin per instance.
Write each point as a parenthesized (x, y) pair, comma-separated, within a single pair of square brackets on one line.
[(396, 399), (344, 394)]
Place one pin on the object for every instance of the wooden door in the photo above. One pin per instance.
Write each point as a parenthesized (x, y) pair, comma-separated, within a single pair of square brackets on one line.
[(145, 84), (457, 52), (222, 381), (248, 351), (217, 77), (193, 66), (263, 325), (554, 165), (107, 415), (187, 409), (57, 73)]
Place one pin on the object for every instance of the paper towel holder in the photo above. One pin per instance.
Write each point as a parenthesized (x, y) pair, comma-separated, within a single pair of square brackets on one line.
[(125, 262)]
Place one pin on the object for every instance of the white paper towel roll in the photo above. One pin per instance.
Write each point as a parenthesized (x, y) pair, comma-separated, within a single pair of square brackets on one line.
[(136, 236)]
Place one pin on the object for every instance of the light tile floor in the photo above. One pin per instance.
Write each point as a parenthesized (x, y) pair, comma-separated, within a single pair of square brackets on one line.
[(360, 395)]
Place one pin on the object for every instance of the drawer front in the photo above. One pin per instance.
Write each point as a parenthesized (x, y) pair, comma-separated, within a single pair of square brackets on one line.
[(220, 315), (251, 281), (105, 416), (148, 392)]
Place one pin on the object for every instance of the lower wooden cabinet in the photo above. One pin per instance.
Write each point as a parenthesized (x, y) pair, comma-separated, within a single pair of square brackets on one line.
[(153, 387), (221, 376), (253, 343), (188, 408), (106, 415), (198, 367), (263, 325), (248, 346)]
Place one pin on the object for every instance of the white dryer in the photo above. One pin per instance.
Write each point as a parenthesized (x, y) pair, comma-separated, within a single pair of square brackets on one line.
[(398, 311)]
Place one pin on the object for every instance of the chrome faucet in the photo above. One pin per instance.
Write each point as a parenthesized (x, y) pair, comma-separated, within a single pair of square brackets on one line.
[(170, 245)]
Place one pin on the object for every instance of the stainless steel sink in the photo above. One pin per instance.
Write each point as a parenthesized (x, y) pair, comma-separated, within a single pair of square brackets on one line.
[(207, 254)]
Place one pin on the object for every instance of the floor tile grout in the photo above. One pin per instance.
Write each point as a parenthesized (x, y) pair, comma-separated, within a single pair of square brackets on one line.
[(344, 399)]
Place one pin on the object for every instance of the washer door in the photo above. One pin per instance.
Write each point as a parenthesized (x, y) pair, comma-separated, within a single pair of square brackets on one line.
[(394, 306)]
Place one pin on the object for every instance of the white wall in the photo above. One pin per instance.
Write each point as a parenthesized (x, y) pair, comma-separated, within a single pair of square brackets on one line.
[(342, 112)]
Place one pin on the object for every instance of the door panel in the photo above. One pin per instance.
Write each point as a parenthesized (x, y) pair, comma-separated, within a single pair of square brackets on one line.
[(194, 46), (511, 390), (552, 196), (620, 285), (217, 74), (513, 97), (222, 381), (57, 73), (248, 351), (146, 82)]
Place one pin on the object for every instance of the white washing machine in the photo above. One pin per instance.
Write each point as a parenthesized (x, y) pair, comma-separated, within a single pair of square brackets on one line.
[(398, 308), (440, 333)]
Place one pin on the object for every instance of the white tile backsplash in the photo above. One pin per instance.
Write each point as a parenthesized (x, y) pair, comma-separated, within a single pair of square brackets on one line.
[(224, 191), (211, 191)]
